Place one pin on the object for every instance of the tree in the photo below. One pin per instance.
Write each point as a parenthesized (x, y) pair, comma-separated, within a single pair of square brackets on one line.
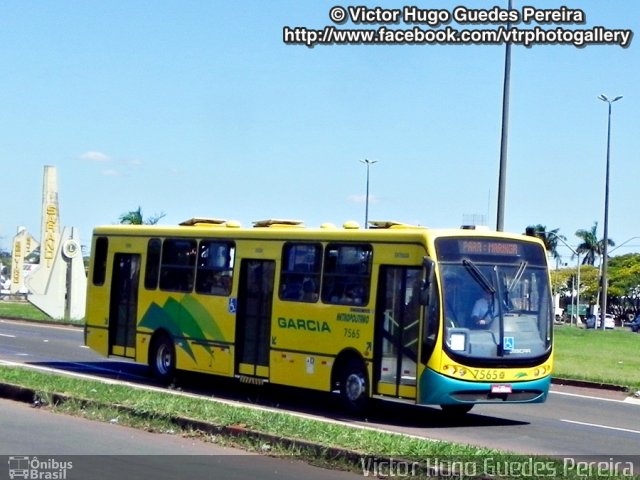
[(548, 237), (624, 284), (591, 247), (135, 217)]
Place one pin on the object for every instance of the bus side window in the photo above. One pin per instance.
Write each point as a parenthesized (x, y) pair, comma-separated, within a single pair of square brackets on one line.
[(178, 265), (152, 270), (215, 267), (100, 260), (347, 274), (300, 275)]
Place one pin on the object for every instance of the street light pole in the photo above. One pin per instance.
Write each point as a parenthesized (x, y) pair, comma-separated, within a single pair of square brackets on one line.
[(623, 244), (368, 163), (502, 175), (577, 254), (605, 260)]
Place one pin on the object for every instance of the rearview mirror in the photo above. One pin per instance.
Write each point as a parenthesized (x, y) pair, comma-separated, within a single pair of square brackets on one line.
[(428, 265)]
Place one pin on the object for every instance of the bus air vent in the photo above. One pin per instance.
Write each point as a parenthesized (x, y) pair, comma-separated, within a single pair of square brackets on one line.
[(202, 221), (278, 222), (390, 224), (351, 225)]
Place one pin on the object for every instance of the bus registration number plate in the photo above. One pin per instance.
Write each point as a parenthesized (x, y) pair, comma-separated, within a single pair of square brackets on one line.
[(500, 388)]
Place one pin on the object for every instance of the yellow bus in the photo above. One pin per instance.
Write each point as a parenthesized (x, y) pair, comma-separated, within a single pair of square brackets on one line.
[(387, 312)]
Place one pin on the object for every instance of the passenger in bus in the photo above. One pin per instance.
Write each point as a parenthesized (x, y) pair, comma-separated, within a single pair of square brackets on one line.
[(221, 284), (484, 311), (353, 295), (309, 293)]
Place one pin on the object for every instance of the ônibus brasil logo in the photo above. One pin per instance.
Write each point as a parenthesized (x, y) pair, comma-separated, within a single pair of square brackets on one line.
[(34, 468)]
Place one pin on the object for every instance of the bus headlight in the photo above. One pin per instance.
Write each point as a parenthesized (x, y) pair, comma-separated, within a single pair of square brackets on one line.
[(541, 371), (455, 370)]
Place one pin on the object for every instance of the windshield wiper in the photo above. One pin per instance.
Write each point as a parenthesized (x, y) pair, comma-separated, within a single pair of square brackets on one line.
[(516, 277), (478, 276)]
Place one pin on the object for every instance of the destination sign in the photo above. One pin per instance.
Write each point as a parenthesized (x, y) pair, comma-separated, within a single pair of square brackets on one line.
[(488, 247)]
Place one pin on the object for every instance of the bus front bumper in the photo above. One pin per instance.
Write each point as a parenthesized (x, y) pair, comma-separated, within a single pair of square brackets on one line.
[(437, 389)]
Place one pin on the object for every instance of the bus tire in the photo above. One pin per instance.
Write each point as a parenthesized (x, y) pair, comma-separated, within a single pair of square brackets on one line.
[(162, 358), (354, 387), (456, 410)]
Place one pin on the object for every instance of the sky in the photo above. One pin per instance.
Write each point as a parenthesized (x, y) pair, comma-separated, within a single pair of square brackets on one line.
[(199, 108)]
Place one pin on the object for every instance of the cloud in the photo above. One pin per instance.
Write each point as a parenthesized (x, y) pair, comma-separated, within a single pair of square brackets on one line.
[(110, 173), (94, 156)]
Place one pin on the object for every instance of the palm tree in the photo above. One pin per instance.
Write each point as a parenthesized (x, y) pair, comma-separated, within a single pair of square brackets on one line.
[(548, 237), (591, 246), (134, 217)]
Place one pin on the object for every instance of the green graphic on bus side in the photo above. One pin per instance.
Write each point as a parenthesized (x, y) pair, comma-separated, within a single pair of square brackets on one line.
[(185, 318)]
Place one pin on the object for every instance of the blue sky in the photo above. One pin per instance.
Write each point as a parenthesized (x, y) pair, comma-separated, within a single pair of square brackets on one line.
[(198, 108)]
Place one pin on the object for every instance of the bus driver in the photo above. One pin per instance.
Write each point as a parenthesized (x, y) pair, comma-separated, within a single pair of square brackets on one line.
[(483, 310)]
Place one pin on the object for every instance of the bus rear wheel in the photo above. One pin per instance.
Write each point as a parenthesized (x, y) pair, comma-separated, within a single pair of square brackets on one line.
[(456, 410), (354, 387), (162, 358)]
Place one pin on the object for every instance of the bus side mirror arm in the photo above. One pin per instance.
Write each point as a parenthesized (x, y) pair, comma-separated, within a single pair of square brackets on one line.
[(429, 271)]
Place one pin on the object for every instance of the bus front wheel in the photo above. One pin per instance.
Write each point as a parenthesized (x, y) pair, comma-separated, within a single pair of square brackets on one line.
[(354, 387), (162, 358)]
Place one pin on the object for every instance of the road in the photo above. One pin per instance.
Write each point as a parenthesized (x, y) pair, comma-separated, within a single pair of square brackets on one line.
[(573, 422), (60, 442)]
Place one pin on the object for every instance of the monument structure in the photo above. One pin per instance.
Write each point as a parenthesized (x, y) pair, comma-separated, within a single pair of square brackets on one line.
[(58, 284), (23, 245)]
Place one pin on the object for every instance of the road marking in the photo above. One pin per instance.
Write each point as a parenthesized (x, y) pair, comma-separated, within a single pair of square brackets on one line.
[(7, 335), (590, 397), (601, 426)]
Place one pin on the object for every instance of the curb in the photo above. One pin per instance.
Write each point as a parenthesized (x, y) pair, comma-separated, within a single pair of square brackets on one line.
[(588, 384), (303, 447), (51, 322)]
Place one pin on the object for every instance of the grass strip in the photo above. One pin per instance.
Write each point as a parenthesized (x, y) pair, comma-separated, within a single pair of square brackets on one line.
[(326, 444), (26, 311), (609, 357)]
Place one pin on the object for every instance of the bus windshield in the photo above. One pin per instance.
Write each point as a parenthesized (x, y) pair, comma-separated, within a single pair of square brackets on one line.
[(496, 299)]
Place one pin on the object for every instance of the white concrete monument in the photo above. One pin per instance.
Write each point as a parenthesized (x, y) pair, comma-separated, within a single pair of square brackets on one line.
[(58, 285), (65, 291), (23, 245)]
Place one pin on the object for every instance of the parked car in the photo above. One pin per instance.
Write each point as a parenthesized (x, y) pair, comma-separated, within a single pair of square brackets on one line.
[(635, 324), (593, 322)]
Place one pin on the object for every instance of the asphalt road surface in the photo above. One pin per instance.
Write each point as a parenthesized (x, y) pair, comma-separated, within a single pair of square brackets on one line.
[(573, 422), (96, 450)]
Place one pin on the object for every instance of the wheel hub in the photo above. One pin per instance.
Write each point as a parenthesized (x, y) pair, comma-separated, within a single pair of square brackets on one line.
[(355, 387)]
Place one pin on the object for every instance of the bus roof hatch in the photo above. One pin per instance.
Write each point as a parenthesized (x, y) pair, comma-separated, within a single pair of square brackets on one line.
[(202, 220), (389, 224), (278, 222)]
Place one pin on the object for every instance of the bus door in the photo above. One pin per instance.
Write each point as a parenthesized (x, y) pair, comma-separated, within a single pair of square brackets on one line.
[(123, 304), (253, 317), (397, 331)]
